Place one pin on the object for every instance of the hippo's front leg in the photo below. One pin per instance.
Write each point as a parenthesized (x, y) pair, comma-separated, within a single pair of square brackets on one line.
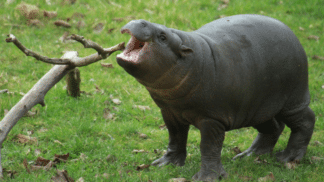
[(212, 136), (178, 134)]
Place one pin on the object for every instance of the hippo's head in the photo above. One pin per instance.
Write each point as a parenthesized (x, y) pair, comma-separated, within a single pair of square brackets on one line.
[(152, 50)]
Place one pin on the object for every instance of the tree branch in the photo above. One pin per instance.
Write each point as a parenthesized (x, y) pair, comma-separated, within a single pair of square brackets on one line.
[(36, 94), (73, 61)]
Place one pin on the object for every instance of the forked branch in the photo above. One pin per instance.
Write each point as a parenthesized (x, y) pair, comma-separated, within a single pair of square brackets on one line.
[(36, 94), (71, 58)]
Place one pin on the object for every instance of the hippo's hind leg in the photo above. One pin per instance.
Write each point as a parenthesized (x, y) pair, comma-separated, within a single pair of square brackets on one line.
[(267, 138), (178, 134), (301, 123)]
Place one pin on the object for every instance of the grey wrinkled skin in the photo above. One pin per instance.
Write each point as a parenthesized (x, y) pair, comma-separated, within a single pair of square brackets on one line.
[(237, 71)]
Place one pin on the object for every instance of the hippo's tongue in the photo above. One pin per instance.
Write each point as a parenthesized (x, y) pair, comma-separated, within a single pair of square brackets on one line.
[(133, 48)]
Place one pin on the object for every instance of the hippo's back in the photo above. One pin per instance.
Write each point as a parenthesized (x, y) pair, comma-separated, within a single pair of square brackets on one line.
[(262, 54)]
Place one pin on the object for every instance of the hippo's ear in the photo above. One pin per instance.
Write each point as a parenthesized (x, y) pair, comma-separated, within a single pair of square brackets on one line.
[(184, 50)]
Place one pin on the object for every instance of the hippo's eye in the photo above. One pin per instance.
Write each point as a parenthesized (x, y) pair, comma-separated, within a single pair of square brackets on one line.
[(163, 37)]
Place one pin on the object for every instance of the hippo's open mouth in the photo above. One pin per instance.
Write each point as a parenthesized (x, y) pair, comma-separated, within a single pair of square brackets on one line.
[(133, 49)]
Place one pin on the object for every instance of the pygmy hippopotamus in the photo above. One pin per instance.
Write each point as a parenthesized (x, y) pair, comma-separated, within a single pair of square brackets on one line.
[(234, 72)]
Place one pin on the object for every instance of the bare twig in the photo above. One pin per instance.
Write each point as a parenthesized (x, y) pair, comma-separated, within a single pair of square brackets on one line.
[(36, 95), (73, 61)]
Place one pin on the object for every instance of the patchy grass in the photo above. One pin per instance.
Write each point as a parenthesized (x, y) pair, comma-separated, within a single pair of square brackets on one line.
[(79, 125)]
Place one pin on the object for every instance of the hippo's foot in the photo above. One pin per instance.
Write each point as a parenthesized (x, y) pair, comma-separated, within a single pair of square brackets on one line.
[(263, 144), (210, 174), (301, 125), (177, 159), (267, 138), (256, 151), (290, 155)]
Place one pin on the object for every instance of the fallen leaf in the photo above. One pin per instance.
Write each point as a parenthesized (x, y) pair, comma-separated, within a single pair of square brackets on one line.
[(107, 65), (107, 114), (245, 178), (10, 173), (116, 101), (29, 11), (42, 164), (35, 22), (291, 165), (115, 4), (142, 135), (178, 180), (314, 37), (26, 139), (222, 16), (30, 132), (141, 167), (62, 23), (110, 30), (258, 160), (138, 151), (318, 142), (30, 113), (149, 11), (98, 28), (10, 1), (48, 2), (43, 130), (222, 6), (269, 177), (69, 2), (40, 161), (97, 88), (118, 19), (61, 158), (143, 108), (162, 127), (156, 151), (237, 150), (58, 142), (111, 158), (80, 24), (316, 57), (28, 151), (125, 18), (80, 180), (316, 159), (37, 152), (77, 15), (105, 175), (64, 37), (83, 157), (26, 165), (49, 14), (225, 1), (62, 176), (301, 28)]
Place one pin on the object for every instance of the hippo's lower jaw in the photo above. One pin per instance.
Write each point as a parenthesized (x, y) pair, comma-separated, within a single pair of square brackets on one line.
[(133, 50)]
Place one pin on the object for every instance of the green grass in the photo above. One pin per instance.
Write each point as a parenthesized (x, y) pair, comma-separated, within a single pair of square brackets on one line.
[(79, 124)]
